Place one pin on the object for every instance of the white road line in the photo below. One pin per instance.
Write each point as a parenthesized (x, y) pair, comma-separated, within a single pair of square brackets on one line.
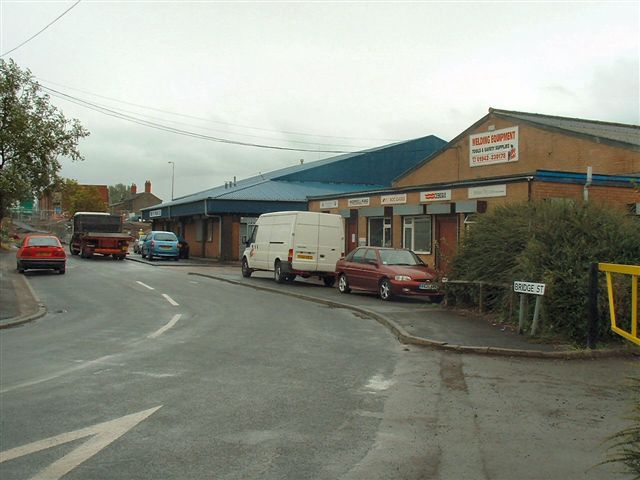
[(100, 436), (145, 285), (90, 363), (171, 323), (170, 300)]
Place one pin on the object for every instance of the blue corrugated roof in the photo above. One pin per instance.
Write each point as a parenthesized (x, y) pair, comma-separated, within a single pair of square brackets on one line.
[(359, 171)]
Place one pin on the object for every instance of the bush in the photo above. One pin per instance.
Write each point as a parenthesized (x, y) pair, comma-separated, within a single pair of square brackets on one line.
[(552, 243)]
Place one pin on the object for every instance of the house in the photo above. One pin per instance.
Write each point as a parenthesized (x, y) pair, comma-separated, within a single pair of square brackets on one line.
[(132, 205)]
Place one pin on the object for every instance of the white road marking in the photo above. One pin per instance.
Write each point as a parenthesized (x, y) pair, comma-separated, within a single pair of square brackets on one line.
[(101, 434), (90, 363), (170, 300), (145, 285), (379, 383), (191, 281), (171, 323)]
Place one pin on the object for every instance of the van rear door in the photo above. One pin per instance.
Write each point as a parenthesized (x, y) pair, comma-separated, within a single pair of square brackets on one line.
[(305, 242), (330, 242)]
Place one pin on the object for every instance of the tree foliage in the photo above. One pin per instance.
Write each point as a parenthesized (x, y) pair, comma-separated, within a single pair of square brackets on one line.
[(33, 136), (80, 198), (553, 243), (118, 192)]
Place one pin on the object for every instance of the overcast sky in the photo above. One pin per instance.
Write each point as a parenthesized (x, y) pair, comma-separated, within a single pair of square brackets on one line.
[(320, 76)]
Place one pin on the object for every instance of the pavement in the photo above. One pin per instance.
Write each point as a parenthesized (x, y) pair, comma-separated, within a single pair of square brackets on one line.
[(411, 320)]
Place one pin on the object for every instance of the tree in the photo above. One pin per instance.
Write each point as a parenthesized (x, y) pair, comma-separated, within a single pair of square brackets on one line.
[(80, 198), (33, 135), (118, 192)]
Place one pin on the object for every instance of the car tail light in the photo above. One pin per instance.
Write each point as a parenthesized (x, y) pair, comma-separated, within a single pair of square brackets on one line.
[(152, 244), (290, 256), (341, 254), (58, 252)]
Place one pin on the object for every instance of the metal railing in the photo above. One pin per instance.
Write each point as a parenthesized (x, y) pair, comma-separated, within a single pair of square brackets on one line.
[(634, 272)]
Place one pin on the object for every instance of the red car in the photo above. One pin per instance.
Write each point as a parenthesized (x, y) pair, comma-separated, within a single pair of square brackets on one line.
[(388, 271), (39, 251)]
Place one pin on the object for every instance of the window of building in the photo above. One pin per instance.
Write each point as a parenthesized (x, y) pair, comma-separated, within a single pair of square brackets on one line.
[(380, 232), (417, 234)]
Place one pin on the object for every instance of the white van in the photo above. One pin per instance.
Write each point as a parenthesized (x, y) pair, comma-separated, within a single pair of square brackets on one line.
[(295, 243)]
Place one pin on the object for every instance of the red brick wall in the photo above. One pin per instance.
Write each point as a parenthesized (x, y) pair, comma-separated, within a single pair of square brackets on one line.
[(539, 149)]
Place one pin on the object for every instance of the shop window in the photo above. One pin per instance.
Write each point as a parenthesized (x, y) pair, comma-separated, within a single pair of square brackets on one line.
[(417, 234), (380, 232)]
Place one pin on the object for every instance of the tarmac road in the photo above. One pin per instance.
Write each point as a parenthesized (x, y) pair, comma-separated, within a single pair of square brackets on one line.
[(145, 372)]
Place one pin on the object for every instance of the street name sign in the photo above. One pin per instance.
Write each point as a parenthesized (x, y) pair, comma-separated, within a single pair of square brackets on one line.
[(529, 287)]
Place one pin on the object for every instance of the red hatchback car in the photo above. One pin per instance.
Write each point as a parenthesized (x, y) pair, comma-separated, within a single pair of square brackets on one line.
[(41, 252), (388, 271)]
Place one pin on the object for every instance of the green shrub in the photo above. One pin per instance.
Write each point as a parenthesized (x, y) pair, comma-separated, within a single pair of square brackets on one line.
[(553, 243)]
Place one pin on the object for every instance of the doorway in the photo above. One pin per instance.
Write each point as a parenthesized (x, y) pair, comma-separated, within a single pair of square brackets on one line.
[(446, 241)]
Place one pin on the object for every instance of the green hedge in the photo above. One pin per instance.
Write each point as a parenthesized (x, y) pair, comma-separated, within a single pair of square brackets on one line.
[(553, 242)]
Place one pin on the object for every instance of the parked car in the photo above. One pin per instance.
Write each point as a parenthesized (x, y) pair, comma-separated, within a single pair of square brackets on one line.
[(41, 252), (183, 247), (295, 243), (137, 245), (161, 245), (389, 272)]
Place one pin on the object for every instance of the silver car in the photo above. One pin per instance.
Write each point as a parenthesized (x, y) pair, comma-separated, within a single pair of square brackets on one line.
[(137, 245)]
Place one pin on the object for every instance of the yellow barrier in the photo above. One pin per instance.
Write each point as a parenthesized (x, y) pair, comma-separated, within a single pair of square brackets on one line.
[(634, 271)]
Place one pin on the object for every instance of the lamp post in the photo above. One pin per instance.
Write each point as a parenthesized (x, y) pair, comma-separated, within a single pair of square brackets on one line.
[(173, 175)]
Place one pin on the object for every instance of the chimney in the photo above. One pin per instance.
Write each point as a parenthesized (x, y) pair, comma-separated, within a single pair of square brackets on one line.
[(147, 186), (134, 189)]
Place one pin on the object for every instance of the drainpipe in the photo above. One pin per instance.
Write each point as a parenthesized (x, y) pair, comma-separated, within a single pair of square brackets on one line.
[(206, 214), (585, 189), (529, 180)]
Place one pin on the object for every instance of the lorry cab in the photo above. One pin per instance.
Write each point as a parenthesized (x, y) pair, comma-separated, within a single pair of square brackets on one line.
[(295, 243)]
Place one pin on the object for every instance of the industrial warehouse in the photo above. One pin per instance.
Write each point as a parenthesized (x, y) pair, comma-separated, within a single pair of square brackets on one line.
[(392, 196)]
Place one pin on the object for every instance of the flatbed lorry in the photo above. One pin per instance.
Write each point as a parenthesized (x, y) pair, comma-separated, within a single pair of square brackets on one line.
[(98, 233)]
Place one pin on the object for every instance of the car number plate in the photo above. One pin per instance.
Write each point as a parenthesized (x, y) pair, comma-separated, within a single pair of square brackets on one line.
[(42, 254), (305, 257), (428, 286), (165, 247)]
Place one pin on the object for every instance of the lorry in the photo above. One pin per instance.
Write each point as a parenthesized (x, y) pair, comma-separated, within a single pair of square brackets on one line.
[(295, 243), (98, 232)]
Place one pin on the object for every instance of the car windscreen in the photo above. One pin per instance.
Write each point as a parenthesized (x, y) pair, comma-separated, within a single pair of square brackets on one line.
[(43, 242), (399, 257), (165, 237)]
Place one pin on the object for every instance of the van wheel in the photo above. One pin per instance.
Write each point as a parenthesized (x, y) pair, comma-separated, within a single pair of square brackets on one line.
[(246, 271), (329, 281), (278, 276), (343, 284), (384, 290)]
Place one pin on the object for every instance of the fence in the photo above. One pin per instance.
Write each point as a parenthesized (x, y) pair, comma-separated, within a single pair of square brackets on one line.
[(634, 272)]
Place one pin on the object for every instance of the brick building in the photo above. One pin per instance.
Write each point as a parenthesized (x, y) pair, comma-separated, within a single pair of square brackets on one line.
[(135, 202), (505, 156), (215, 220)]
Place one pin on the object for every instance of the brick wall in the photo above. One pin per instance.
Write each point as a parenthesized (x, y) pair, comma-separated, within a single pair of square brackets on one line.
[(539, 149)]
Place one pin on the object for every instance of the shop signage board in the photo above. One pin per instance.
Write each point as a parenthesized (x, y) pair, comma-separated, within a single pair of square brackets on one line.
[(155, 213), (329, 204), (358, 202), (397, 199), (488, 191), (435, 196), (498, 146)]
